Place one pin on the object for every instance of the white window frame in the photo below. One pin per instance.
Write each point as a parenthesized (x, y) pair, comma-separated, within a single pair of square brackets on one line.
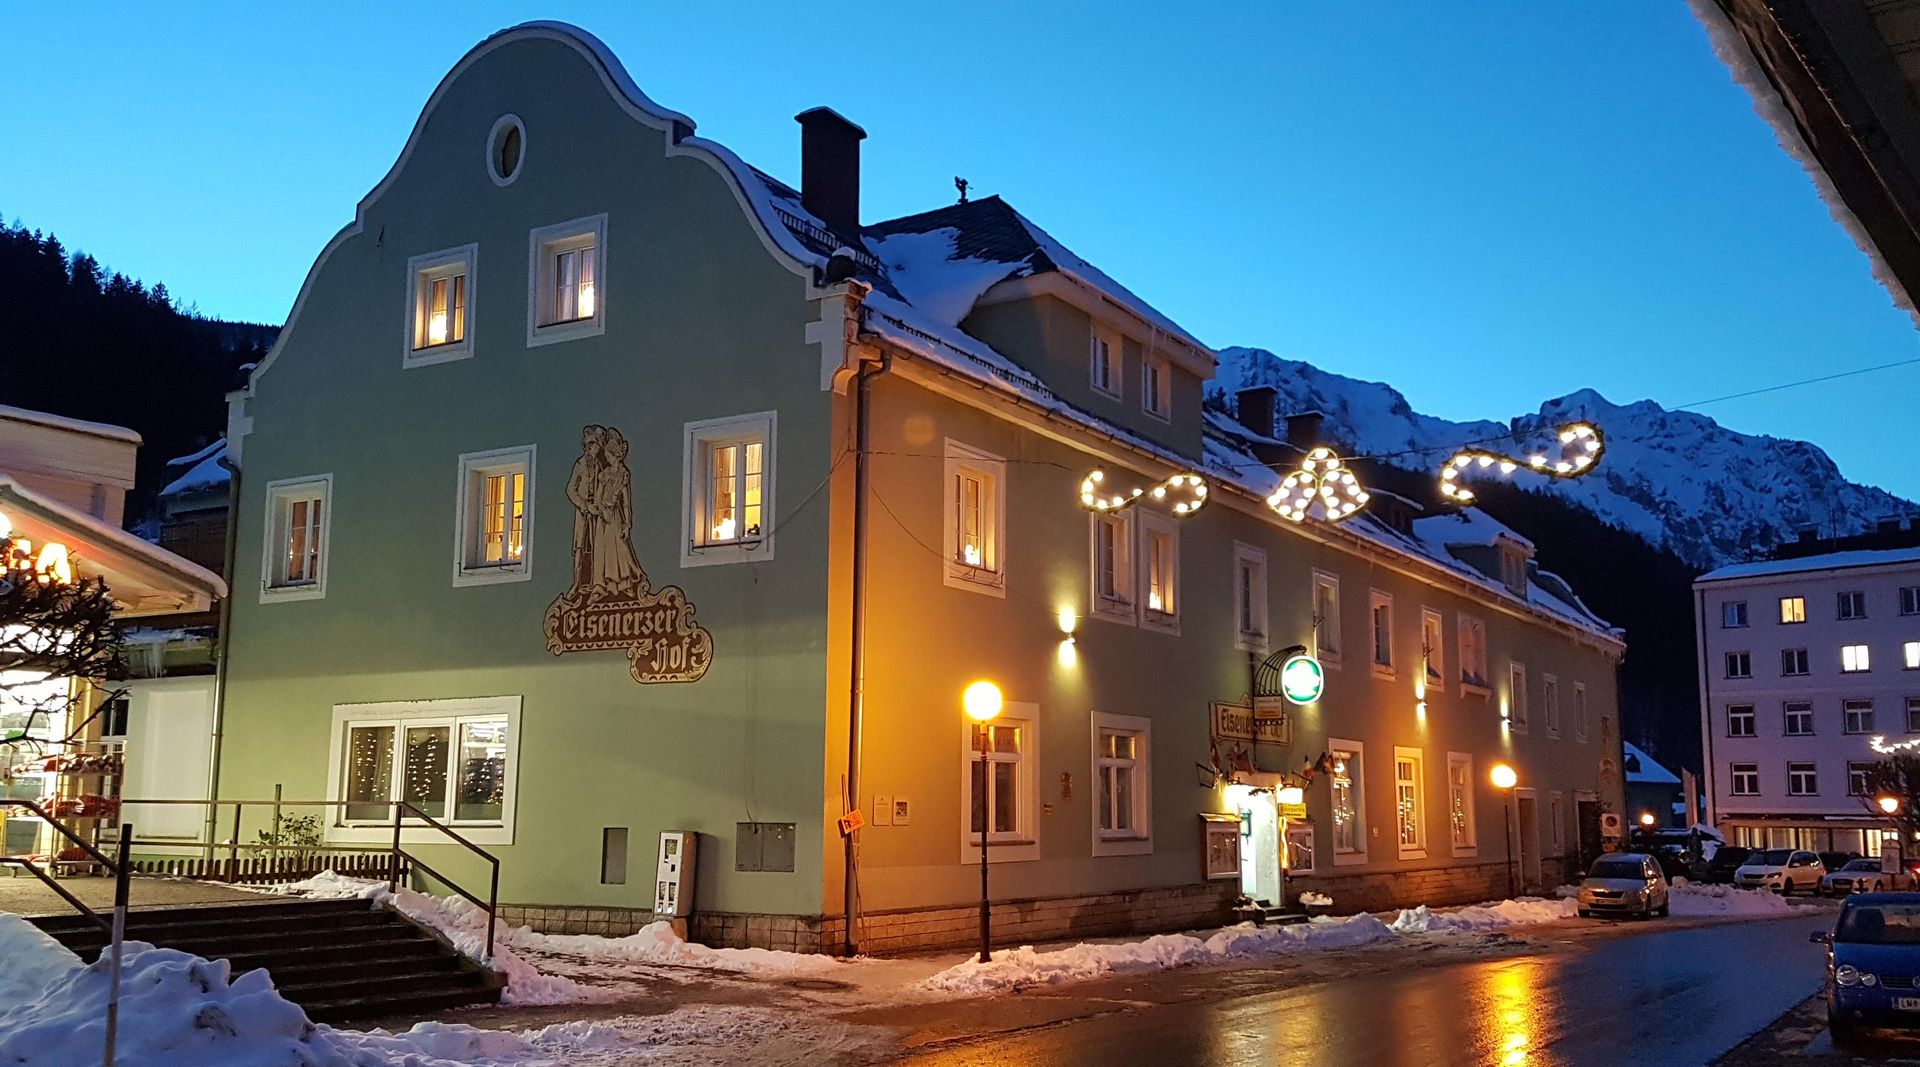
[(422, 270), (1857, 771), (1812, 776), (466, 534), (1732, 610), (1462, 792), (1856, 659), (1156, 386), (1910, 600), (405, 713), (1433, 649), (1745, 665), (1328, 626), (990, 576), (1746, 714), (1417, 849), (1139, 840), (1851, 706), (273, 548), (1550, 702), (1378, 600), (1358, 766), (543, 245), (1738, 771), (1023, 843), (1913, 715), (1474, 656), (1250, 598), (696, 438), (1122, 607), (1847, 598), (1113, 363), (1790, 708), (1519, 711), (1579, 711), (1802, 659), (1793, 610), (1152, 525)]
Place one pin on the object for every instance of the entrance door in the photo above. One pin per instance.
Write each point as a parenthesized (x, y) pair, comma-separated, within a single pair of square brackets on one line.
[(1587, 813), (1259, 846), (1528, 820)]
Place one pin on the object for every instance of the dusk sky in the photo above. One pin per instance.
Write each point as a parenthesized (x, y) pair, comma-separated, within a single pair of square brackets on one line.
[(1484, 205)]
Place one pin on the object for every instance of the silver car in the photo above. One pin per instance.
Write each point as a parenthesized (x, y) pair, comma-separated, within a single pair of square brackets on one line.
[(1624, 883), (1859, 876)]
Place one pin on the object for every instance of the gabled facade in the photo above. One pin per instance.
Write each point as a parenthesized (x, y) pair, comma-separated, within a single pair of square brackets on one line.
[(601, 485)]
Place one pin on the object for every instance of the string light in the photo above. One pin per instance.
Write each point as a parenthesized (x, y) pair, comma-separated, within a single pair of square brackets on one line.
[(1322, 482), (1581, 446), (1184, 493), (1879, 744)]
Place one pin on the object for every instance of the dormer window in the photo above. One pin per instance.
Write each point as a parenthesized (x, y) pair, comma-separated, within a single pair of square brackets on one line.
[(1513, 568)]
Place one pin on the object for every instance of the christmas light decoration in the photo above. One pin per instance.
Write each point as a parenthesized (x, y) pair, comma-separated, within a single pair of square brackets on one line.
[(1879, 744), (1184, 493), (1581, 446), (1322, 482)]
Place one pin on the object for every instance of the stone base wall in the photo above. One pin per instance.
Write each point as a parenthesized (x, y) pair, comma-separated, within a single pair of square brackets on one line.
[(1466, 883)]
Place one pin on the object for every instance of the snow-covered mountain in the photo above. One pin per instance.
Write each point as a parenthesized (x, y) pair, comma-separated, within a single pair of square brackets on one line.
[(1676, 478)]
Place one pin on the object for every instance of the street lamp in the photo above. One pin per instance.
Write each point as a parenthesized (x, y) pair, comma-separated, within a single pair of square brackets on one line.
[(982, 703), (1646, 828), (1504, 779), (1888, 803)]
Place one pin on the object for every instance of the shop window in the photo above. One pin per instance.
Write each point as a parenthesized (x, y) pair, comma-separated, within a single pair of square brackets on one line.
[(1347, 801), (450, 760)]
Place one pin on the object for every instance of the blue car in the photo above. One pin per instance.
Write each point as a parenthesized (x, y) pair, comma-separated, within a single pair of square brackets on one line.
[(1873, 961)]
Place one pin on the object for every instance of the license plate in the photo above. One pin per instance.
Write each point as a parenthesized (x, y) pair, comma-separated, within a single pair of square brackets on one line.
[(1907, 1003)]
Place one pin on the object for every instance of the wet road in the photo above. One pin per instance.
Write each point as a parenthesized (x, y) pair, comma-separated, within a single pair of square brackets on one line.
[(1676, 997)]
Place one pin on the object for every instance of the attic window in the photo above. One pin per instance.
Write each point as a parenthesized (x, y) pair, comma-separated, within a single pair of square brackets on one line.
[(505, 146), (1513, 569)]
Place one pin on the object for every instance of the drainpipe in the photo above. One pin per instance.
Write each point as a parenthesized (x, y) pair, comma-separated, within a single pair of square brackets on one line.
[(221, 643), (856, 704)]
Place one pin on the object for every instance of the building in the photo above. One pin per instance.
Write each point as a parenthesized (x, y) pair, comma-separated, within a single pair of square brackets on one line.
[(1652, 790), (1805, 661), (670, 497)]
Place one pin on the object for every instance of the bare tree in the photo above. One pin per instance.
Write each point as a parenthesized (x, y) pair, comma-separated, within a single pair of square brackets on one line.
[(50, 627)]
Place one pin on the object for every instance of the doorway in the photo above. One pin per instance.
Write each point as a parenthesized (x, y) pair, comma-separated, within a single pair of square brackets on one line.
[(1587, 814), (1527, 830), (1259, 843)]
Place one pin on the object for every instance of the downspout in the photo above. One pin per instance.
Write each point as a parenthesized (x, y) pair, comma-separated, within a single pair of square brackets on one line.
[(220, 658), (856, 703)]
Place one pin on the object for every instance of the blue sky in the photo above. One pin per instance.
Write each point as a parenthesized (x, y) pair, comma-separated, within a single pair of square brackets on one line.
[(1484, 204)]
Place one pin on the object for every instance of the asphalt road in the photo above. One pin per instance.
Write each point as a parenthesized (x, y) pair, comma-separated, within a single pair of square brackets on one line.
[(1674, 997)]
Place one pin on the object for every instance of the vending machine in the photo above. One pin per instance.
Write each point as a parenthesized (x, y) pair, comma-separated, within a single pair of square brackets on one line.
[(673, 880)]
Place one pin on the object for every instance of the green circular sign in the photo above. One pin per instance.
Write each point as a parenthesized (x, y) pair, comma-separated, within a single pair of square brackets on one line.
[(1302, 679)]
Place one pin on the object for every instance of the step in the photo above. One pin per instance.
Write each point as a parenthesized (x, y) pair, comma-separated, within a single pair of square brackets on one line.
[(381, 953), (290, 972), (340, 987), (204, 929), (201, 912), (281, 940), (357, 1008)]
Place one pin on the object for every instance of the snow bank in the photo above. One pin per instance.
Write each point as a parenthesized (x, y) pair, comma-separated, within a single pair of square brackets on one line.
[(1480, 918), (1696, 900)]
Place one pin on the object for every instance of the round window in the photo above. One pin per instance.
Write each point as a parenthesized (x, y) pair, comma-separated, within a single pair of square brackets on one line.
[(505, 147)]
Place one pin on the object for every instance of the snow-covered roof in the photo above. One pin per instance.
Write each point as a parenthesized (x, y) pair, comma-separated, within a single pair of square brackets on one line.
[(136, 571), (1830, 561), (1468, 526), (198, 470), (61, 422), (1640, 767)]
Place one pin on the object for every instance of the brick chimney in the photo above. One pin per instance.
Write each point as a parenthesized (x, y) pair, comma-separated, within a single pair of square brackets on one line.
[(1303, 429), (1254, 408), (830, 170)]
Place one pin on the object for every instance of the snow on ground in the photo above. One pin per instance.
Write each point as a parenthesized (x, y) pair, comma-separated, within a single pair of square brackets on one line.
[(1481, 918), (1696, 900)]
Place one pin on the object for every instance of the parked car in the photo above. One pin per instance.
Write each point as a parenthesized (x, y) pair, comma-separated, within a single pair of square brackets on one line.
[(1837, 860), (1873, 956), (1863, 876), (1719, 870), (1782, 870), (1624, 883)]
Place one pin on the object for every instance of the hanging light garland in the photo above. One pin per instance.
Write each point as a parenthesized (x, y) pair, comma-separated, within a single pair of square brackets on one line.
[(1879, 744), (1581, 446), (1322, 482), (1184, 493)]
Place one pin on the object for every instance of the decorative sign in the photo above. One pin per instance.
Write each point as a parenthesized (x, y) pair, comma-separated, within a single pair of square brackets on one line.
[(1302, 679), (1235, 722), (851, 821), (1183, 493), (1581, 446), (1323, 483), (611, 606)]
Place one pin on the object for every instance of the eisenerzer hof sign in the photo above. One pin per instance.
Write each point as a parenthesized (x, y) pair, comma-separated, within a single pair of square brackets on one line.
[(1262, 724), (610, 605)]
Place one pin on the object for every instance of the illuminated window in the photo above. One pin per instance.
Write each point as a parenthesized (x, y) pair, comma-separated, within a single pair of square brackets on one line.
[(1156, 387), (1409, 820), (298, 525), (1793, 662), (1852, 605), (567, 280), (495, 516), (1104, 363), (1113, 575), (1000, 786), (1517, 697), (729, 490), (1740, 721), (1857, 716), (975, 521), (1803, 780), (1855, 659), (1910, 656), (1432, 640), (451, 760), (1121, 767), (1739, 664), (1347, 801), (1733, 614), (1159, 570), (1799, 718), (1249, 598), (1326, 617), (1793, 609), (439, 297), (1460, 806), (1744, 779), (1380, 616)]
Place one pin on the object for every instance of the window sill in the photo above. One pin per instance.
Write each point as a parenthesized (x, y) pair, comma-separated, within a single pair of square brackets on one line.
[(1021, 851), (1413, 853), (417, 834), (1119, 611), (1460, 851), (1469, 689), (1246, 642), (571, 330), (717, 555), (1160, 621), (975, 580), (470, 576), (1123, 846), (1385, 670), (1349, 859), (274, 594), (450, 352), (1110, 394)]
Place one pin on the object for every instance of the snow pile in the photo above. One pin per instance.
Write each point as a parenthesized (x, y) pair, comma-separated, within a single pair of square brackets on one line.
[(1480, 918), (1697, 900)]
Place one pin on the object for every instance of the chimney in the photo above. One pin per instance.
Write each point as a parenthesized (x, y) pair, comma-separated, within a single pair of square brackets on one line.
[(830, 170), (1806, 535), (1890, 524), (1303, 429), (1254, 408)]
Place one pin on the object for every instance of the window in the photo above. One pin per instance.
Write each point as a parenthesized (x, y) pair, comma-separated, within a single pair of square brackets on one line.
[(1408, 818), (1853, 605), (1473, 653), (1857, 716), (1793, 662), (1326, 617), (506, 144), (1913, 715), (299, 522), (1113, 566), (1910, 600), (1854, 659), (1799, 718), (452, 760), (1249, 598), (999, 782), (1103, 364), (1156, 387), (1431, 652), (1348, 802), (439, 296), (1380, 615), (1739, 665), (1910, 656), (567, 281), (494, 517), (1802, 780), (1857, 778), (1744, 779), (1740, 720), (1550, 701), (1160, 570), (1557, 817), (1123, 820), (1460, 785), (976, 502), (1517, 696), (727, 503), (1733, 614), (1513, 568), (1579, 711), (1793, 609)]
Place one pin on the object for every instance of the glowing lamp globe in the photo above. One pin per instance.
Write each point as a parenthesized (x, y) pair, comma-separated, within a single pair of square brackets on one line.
[(1646, 818), (1504, 777), (982, 701), (1888, 803)]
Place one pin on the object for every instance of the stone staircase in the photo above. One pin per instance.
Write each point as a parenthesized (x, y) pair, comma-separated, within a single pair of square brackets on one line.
[(338, 959)]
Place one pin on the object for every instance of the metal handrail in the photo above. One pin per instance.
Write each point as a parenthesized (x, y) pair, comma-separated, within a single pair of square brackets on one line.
[(98, 856), (492, 905), (34, 869)]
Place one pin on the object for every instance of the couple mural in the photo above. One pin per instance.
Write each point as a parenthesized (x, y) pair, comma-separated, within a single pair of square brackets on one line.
[(611, 605)]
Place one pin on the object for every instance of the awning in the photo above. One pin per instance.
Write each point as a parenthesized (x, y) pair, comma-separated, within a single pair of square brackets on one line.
[(144, 578)]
